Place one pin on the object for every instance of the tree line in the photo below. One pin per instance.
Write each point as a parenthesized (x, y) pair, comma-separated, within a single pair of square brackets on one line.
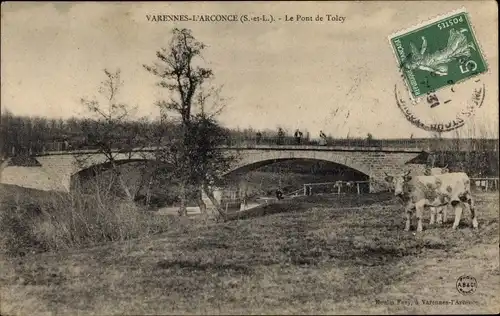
[(23, 135)]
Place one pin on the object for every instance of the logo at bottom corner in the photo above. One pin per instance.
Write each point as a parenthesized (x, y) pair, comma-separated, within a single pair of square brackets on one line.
[(466, 284)]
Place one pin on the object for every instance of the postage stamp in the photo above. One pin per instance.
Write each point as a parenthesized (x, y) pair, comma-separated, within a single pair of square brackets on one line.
[(441, 64), (439, 53)]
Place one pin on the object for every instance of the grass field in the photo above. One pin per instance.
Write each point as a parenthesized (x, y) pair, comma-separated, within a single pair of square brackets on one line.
[(335, 255)]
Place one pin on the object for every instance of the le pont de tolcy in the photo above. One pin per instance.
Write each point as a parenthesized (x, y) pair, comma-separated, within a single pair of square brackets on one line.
[(318, 18)]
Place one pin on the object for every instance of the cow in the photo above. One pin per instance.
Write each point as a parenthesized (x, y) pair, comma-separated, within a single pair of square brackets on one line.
[(440, 211), (435, 191)]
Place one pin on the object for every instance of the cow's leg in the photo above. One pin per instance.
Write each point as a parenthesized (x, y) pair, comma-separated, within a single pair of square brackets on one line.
[(473, 214), (408, 218), (445, 213), (433, 215), (458, 214), (439, 217), (419, 211)]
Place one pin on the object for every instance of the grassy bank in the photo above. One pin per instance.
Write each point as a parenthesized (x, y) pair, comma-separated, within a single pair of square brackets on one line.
[(311, 257), (38, 221)]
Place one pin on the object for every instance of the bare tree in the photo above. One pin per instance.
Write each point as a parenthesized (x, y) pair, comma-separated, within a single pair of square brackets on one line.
[(109, 124), (179, 73)]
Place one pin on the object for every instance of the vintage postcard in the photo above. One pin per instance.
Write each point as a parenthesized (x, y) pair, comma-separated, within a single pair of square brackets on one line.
[(173, 158)]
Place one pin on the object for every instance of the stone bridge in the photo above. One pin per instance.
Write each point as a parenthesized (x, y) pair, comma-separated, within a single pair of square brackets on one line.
[(55, 170)]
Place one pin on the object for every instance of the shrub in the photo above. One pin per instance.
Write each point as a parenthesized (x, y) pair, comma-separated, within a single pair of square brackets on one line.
[(17, 237), (64, 221)]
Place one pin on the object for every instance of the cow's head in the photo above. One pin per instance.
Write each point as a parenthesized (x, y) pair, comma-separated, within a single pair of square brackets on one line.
[(398, 182)]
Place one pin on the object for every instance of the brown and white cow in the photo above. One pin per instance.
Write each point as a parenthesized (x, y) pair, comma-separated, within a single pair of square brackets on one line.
[(441, 212), (434, 191)]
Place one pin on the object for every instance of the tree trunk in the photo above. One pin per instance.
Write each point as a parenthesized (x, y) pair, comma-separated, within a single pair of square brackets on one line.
[(183, 198), (214, 201), (202, 205), (142, 181), (98, 194), (184, 167), (148, 192), (130, 197), (125, 189)]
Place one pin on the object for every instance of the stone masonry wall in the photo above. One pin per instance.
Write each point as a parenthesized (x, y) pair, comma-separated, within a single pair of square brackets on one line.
[(56, 171)]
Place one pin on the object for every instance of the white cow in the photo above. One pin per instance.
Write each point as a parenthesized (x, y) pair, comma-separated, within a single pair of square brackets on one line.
[(441, 212), (435, 191)]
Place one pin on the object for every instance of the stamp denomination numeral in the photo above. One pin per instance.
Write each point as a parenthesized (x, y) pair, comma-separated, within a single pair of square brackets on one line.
[(470, 65)]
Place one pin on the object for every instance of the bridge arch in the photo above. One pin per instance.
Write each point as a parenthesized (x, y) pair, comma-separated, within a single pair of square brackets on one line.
[(251, 161), (242, 169), (90, 171)]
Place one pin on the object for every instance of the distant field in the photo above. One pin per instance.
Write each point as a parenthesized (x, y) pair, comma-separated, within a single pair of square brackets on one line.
[(331, 255)]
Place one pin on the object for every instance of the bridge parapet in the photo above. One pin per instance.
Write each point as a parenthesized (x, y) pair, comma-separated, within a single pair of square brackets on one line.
[(244, 148), (255, 142)]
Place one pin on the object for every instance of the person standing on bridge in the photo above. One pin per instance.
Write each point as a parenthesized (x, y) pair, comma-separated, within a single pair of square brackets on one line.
[(281, 136), (258, 137), (322, 137), (298, 136)]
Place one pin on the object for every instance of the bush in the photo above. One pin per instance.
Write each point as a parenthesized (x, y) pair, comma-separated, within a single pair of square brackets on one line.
[(76, 220), (17, 237)]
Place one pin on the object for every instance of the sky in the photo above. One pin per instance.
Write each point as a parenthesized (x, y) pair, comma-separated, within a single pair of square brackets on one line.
[(330, 76)]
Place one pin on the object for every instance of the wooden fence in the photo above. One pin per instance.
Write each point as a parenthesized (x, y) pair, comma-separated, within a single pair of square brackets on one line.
[(338, 186), (485, 184)]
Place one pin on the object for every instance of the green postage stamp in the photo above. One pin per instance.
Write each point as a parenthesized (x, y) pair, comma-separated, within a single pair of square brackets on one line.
[(440, 53)]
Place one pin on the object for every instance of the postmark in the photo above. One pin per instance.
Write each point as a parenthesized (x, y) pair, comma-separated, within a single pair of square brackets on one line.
[(441, 66), (442, 111), (466, 284)]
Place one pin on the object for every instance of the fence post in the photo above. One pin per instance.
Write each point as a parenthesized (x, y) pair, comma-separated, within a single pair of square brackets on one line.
[(357, 185)]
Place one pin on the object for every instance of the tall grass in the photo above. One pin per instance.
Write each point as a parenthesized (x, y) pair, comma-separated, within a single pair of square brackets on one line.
[(65, 221)]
